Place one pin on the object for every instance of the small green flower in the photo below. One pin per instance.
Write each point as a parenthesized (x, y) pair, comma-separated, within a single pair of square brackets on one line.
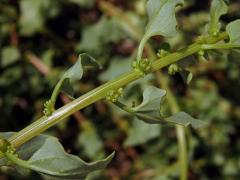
[(144, 66), (173, 69), (201, 53), (48, 108), (114, 95), (6, 146), (162, 53)]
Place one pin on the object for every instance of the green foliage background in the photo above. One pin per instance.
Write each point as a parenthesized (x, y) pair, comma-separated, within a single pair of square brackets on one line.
[(39, 39)]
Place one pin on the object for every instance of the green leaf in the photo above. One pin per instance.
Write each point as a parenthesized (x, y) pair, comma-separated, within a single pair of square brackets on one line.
[(113, 70), (35, 13), (90, 141), (141, 132), (45, 155), (233, 29), (75, 73), (162, 20), (185, 119), (218, 8), (186, 75), (149, 110), (97, 36), (72, 74), (9, 55)]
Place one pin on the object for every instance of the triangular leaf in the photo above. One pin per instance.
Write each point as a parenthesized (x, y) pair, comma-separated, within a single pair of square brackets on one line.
[(185, 119), (45, 155), (162, 20), (72, 74), (76, 71), (149, 110)]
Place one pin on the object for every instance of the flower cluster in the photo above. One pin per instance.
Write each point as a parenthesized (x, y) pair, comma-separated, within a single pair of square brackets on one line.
[(144, 66), (48, 108), (114, 95)]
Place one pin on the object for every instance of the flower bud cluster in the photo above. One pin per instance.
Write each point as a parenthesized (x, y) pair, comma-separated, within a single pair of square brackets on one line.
[(48, 108), (144, 66), (173, 69), (114, 95)]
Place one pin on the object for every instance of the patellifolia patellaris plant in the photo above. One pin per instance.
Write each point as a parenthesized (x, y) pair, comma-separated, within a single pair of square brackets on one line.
[(29, 149)]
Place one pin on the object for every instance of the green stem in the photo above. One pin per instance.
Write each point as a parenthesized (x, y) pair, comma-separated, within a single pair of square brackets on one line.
[(137, 35), (219, 46), (99, 93), (13, 158), (124, 107), (56, 91), (141, 48), (180, 130)]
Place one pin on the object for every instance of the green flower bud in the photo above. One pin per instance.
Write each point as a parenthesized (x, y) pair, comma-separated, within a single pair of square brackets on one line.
[(173, 69), (201, 53), (5, 146), (114, 95), (48, 108), (143, 66), (162, 53)]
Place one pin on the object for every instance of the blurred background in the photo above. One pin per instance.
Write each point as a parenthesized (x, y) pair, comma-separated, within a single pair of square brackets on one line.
[(40, 39)]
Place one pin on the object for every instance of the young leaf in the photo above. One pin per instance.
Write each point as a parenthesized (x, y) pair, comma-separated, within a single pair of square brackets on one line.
[(186, 75), (218, 8), (149, 110), (233, 29), (45, 155), (73, 74), (162, 20)]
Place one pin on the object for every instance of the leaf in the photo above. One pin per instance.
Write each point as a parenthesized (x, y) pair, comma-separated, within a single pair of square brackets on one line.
[(218, 8), (113, 70), (72, 74), (45, 155), (233, 29), (76, 71), (97, 36), (149, 110), (186, 75), (35, 13), (185, 119), (184, 64), (90, 141), (141, 133), (162, 20), (9, 55)]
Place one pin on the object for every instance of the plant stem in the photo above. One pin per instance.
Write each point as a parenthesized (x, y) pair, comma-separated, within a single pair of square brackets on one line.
[(13, 158), (180, 130), (162, 80), (124, 107), (98, 93), (219, 46)]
